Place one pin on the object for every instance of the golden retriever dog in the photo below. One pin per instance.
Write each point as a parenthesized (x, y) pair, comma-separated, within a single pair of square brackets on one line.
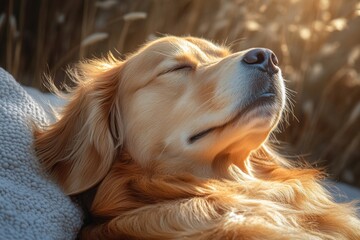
[(172, 143)]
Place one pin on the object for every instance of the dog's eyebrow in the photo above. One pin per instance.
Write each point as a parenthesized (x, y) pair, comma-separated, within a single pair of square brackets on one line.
[(204, 55), (223, 52), (187, 58)]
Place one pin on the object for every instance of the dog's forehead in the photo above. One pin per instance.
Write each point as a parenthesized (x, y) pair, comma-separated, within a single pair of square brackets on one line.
[(163, 53), (177, 46)]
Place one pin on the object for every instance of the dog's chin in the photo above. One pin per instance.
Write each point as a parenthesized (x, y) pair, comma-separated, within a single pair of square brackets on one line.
[(257, 115), (244, 131)]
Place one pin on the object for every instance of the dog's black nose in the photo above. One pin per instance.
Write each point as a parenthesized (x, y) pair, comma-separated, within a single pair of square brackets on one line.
[(262, 58)]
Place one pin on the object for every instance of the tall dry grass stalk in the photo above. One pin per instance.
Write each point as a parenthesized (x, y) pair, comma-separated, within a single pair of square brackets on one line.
[(11, 29), (317, 42)]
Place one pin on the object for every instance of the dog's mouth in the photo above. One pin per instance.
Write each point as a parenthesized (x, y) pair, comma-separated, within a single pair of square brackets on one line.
[(264, 99)]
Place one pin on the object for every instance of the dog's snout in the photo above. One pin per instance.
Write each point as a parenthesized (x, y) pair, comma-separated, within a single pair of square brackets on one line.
[(262, 58)]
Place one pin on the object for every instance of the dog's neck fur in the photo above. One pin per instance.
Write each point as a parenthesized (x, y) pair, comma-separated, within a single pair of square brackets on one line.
[(128, 195)]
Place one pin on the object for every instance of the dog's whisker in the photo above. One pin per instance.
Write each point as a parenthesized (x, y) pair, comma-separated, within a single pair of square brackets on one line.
[(235, 42), (163, 150)]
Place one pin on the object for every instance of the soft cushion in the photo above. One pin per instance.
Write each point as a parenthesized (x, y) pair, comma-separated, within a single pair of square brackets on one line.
[(31, 205)]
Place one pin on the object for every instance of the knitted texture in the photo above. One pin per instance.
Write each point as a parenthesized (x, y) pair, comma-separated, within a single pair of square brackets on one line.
[(31, 205)]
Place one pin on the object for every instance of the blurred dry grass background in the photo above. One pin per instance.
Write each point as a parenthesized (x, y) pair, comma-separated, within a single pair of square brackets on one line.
[(316, 41)]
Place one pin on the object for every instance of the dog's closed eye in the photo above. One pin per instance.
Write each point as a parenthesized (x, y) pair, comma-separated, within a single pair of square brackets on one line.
[(179, 67), (200, 135)]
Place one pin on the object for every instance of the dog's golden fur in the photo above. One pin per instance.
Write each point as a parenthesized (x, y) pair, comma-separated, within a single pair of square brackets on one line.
[(131, 132)]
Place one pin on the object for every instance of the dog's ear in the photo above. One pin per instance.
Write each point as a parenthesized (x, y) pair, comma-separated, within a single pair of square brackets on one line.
[(78, 149)]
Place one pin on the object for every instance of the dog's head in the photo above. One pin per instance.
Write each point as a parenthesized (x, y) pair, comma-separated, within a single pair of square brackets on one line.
[(177, 105)]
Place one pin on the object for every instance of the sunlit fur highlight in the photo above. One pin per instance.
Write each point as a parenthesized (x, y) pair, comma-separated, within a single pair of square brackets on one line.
[(92, 114), (266, 198)]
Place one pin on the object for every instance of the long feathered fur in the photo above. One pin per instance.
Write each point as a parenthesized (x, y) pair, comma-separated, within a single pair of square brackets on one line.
[(88, 134), (85, 148), (282, 204)]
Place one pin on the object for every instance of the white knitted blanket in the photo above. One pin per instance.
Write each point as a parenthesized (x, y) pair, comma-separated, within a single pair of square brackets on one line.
[(31, 205)]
